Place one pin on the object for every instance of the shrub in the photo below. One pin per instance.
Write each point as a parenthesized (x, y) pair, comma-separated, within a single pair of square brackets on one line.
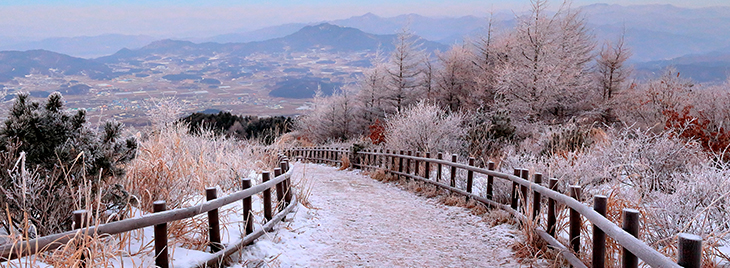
[(426, 127), (711, 137), (487, 134), (62, 154)]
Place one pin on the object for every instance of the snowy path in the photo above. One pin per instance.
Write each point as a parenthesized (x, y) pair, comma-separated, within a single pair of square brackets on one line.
[(359, 222)]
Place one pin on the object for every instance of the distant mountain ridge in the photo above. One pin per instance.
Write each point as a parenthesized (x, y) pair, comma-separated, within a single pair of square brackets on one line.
[(322, 36), (20, 63), (83, 46)]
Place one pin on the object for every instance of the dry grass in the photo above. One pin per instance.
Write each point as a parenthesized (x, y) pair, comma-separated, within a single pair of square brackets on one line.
[(175, 166), (304, 187), (345, 162)]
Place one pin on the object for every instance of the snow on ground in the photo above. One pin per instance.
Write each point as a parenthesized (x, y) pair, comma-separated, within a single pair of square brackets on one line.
[(358, 221)]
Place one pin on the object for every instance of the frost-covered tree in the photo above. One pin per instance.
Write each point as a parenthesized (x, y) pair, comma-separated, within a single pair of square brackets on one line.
[(428, 77), (372, 94), (427, 128), (611, 67), (405, 70), (454, 79), (332, 118), (547, 71), (488, 57)]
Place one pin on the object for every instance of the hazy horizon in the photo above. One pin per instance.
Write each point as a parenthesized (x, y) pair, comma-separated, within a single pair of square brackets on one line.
[(34, 20)]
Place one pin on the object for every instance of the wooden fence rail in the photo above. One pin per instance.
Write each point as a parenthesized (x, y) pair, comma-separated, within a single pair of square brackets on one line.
[(159, 219), (394, 163)]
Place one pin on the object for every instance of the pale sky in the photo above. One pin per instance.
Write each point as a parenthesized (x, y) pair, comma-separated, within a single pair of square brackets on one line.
[(186, 18)]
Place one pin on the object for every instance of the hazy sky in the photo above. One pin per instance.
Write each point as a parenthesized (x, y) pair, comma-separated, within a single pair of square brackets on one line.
[(180, 18)]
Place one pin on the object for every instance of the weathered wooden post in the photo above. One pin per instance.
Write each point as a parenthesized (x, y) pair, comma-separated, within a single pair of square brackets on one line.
[(575, 222), (388, 160), (417, 165), (286, 184), (631, 226), (439, 156), (490, 181), (427, 166), (247, 215), (279, 190), (453, 171), (400, 163), (536, 198), (265, 177), (161, 256), (470, 176), (214, 230), (551, 220), (599, 237), (517, 172), (408, 163), (690, 251), (80, 219), (525, 175)]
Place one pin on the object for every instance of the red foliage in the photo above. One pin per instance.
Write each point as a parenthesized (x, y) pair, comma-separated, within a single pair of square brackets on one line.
[(377, 132), (712, 138)]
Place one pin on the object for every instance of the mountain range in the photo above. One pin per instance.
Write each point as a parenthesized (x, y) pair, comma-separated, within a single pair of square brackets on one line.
[(692, 40), (324, 36)]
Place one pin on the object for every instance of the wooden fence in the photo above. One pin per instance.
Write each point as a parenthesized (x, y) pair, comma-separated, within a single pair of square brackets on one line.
[(286, 201), (405, 164)]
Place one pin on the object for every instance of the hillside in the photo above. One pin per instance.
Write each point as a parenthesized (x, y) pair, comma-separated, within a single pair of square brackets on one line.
[(20, 63)]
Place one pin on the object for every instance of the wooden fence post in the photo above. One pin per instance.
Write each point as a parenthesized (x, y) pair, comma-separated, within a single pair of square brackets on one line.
[(247, 215), (439, 156), (525, 174), (551, 220), (265, 177), (387, 161), (453, 171), (408, 163), (161, 257), (575, 222), (470, 176), (417, 165), (80, 219), (400, 163), (214, 230), (599, 237), (631, 226), (490, 181), (279, 190), (536, 198), (690, 251), (382, 159), (517, 172), (427, 166)]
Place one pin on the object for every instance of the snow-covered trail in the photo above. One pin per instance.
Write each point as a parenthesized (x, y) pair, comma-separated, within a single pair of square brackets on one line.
[(358, 221)]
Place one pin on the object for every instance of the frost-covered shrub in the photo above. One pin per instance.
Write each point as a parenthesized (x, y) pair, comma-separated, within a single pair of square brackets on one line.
[(60, 154), (700, 205), (644, 161), (427, 128), (488, 133)]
